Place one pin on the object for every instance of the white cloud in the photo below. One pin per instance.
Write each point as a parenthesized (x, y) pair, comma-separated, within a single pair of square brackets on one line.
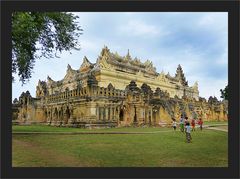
[(214, 20), (140, 28), (223, 60), (211, 87)]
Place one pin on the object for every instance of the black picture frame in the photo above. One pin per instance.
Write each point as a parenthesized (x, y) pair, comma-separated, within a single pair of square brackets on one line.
[(232, 7)]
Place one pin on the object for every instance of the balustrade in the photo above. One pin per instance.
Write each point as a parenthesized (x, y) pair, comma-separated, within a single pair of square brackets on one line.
[(99, 91)]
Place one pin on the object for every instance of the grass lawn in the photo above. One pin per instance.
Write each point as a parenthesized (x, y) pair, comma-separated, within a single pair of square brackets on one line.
[(163, 149)]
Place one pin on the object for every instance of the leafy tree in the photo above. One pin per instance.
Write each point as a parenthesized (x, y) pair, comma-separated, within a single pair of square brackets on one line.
[(224, 93), (41, 34)]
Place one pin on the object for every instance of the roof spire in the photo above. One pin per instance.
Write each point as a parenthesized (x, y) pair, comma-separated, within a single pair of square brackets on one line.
[(105, 50), (180, 76), (69, 66), (128, 56)]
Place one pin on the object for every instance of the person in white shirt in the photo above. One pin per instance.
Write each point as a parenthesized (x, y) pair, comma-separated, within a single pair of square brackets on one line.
[(181, 122), (174, 124)]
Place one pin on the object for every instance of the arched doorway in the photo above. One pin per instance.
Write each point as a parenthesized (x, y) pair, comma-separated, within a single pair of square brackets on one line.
[(121, 114), (149, 118), (67, 115), (55, 114)]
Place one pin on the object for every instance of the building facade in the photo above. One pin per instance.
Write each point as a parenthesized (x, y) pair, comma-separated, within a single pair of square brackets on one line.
[(116, 91)]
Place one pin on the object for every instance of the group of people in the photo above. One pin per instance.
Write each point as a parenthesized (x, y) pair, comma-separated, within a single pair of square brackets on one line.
[(184, 125)]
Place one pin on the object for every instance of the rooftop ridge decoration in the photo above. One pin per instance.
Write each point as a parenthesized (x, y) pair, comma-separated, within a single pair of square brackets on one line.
[(110, 64), (107, 55), (106, 58)]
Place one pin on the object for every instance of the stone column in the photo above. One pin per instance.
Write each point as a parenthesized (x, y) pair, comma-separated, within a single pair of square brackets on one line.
[(113, 111), (109, 114), (135, 114), (159, 114), (97, 113), (146, 116), (101, 113), (151, 116), (116, 115), (58, 117), (104, 113)]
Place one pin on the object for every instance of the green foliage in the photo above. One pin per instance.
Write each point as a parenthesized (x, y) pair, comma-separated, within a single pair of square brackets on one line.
[(41, 34), (224, 93)]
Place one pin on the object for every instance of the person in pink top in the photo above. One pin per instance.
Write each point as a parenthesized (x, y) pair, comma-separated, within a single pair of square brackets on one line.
[(193, 124), (200, 123)]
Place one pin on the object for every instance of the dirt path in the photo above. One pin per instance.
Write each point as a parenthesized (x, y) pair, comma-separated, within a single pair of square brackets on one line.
[(218, 129)]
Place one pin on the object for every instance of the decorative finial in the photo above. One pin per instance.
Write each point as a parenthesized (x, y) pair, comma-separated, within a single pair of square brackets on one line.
[(69, 67), (105, 50), (128, 55), (84, 58), (196, 84)]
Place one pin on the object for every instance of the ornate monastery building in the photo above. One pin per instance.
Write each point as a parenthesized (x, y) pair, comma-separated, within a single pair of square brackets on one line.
[(115, 91)]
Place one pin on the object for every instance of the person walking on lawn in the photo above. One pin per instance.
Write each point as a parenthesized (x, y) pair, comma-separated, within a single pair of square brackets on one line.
[(200, 123), (181, 122), (193, 124), (188, 132), (174, 124), (185, 122)]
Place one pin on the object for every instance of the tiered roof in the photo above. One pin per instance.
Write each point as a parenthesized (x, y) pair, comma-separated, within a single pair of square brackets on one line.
[(116, 62)]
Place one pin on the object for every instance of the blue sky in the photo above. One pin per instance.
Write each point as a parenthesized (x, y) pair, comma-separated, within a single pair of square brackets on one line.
[(196, 40)]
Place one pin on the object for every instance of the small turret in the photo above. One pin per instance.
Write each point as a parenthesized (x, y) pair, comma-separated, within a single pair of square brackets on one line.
[(195, 86), (180, 76), (69, 67), (132, 85), (105, 51), (92, 81), (146, 89), (15, 101), (128, 56), (110, 86), (49, 79)]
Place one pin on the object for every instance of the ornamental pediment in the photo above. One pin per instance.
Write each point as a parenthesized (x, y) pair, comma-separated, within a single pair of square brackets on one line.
[(70, 74), (86, 65), (162, 77)]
